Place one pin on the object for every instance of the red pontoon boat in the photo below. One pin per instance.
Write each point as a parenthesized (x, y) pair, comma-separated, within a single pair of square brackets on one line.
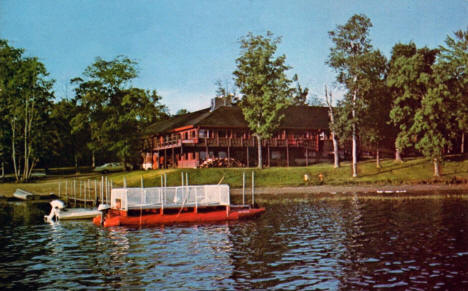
[(164, 205)]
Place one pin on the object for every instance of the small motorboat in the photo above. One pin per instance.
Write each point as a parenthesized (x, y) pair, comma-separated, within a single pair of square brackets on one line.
[(60, 212), (166, 205)]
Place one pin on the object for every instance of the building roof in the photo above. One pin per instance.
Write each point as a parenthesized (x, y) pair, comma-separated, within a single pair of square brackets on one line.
[(295, 117)]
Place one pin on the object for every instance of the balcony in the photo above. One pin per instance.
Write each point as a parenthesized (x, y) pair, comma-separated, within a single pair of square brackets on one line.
[(310, 143)]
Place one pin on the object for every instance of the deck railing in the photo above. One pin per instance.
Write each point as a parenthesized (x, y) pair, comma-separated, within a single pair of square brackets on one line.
[(238, 142), (170, 197)]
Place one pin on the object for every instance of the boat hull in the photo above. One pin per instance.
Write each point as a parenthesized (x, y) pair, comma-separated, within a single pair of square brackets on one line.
[(184, 217)]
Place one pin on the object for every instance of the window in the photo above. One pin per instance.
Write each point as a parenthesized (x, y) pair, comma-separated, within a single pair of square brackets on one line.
[(202, 133)]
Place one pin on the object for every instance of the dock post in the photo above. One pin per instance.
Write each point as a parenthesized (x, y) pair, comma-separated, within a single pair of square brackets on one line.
[(74, 190), (102, 189), (182, 178), (165, 180), (89, 191), (95, 193), (243, 188), (253, 188), (81, 185), (59, 189), (106, 187), (141, 199)]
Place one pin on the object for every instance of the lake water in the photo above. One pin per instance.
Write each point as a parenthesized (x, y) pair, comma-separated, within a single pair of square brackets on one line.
[(414, 242)]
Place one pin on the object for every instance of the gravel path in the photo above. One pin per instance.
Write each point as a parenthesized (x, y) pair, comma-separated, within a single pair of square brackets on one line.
[(353, 189)]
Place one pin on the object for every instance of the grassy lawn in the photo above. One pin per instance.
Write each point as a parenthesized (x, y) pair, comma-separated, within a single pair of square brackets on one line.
[(412, 171)]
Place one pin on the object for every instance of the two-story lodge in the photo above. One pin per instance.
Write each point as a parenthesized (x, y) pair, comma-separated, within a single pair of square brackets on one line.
[(187, 140)]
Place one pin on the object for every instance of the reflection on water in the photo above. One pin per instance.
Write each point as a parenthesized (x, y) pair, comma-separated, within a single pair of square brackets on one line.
[(302, 242)]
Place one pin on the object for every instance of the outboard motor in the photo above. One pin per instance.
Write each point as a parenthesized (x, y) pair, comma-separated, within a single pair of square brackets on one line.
[(103, 208), (54, 215)]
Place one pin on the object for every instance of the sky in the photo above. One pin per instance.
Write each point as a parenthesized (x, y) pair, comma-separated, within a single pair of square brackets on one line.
[(183, 47)]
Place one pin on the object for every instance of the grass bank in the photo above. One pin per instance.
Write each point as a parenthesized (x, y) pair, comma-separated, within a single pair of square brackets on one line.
[(413, 171)]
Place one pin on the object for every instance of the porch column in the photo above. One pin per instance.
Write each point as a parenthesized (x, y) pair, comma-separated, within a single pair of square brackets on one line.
[(268, 153), (229, 155), (247, 156), (173, 158)]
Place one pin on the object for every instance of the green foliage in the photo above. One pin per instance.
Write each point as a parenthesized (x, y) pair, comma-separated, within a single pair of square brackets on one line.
[(452, 67), (25, 99), (261, 78), (226, 88), (361, 70), (429, 96), (299, 96), (182, 111), (410, 74), (114, 112)]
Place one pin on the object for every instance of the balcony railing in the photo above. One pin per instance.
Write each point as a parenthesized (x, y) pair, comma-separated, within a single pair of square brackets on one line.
[(310, 143)]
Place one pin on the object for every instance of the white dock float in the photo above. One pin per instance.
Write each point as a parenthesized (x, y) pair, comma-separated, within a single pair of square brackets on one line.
[(78, 213)]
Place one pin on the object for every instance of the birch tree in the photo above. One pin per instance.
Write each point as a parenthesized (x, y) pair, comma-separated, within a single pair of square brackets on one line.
[(26, 101), (348, 56), (331, 115)]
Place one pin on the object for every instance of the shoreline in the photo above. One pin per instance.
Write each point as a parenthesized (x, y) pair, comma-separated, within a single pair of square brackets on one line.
[(352, 189)]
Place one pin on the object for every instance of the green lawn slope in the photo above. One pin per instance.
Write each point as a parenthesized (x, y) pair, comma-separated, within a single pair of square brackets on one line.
[(412, 171)]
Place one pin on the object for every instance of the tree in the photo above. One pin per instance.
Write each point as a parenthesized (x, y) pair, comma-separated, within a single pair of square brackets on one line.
[(432, 124), (399, 50), (115, 112), (25, 101), (72, 147), (374, 114), (299, 94), (225, 88), (352, 57), (426, 106), (262, 80), (452, 65), (331, 115), (409, 73), (181, 111)]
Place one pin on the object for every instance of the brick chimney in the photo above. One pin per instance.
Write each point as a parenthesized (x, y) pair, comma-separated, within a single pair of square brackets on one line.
[(219, 101)]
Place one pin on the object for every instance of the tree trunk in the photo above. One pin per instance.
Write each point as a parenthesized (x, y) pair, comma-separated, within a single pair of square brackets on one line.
[(26, 155), (436, 168), (93, 159), (377, 158), (13, 149), (397, 154), (354, 149), (336, 154), (259, 145), (329, 100), (3, 170), (76, 163), (462, 149)]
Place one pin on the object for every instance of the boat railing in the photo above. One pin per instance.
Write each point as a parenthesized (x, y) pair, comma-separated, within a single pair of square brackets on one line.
[(170, 197)]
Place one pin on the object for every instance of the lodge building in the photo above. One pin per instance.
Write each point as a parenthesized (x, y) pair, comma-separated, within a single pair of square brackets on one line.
[(187, 140)]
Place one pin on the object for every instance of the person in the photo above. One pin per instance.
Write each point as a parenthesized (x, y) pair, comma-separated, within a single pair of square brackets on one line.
[(320, 176), (118, 204)]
